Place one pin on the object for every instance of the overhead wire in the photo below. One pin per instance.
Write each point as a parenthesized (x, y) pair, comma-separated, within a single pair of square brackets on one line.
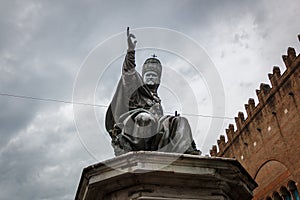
[(95, 105)]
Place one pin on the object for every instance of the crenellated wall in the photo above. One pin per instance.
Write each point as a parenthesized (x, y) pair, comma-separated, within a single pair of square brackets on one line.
[(271, 130)]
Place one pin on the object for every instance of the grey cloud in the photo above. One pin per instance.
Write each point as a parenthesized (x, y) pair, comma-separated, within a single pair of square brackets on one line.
[(28, 79), (43, 157), (14, 116)]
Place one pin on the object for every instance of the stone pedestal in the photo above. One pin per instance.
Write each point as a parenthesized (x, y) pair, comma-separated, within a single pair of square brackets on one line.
[(165, 176)]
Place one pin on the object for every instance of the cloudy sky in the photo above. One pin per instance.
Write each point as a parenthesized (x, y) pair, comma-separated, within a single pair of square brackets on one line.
[(44, 46)]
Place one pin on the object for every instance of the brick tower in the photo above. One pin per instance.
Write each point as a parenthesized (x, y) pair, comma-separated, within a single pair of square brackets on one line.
[(267, 142)]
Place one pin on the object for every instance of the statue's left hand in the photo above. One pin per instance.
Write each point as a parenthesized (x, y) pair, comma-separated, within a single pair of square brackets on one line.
[(131, 44)]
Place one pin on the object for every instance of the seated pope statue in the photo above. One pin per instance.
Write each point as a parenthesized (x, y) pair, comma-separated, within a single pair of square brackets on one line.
[(135, 119)]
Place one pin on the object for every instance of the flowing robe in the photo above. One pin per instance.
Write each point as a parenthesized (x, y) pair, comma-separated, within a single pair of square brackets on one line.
[(130, 130)]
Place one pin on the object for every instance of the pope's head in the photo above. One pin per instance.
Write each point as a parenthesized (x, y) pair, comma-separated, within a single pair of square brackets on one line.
[(152, 72)]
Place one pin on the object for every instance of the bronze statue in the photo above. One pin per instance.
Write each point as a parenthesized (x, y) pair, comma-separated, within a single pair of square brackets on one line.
[(135, 119)]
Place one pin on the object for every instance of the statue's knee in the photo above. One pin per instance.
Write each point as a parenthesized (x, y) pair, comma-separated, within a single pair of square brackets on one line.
[(182, 120), (144, 119), (183, 125)]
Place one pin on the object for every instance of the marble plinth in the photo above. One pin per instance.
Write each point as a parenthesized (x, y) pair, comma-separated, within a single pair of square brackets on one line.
[(164, 176)]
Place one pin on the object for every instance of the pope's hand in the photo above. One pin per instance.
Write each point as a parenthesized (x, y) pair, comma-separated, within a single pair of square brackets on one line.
[(131, 44)]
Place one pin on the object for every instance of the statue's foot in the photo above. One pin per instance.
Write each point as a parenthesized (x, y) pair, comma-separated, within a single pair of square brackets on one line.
[(120, 145), (193, 152)]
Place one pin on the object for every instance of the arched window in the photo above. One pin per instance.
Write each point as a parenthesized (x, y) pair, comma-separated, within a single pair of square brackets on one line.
[(276, 196), (293, 189), (286, 195)]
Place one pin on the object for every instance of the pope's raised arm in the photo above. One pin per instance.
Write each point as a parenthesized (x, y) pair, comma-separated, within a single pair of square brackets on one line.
[(129, 62)]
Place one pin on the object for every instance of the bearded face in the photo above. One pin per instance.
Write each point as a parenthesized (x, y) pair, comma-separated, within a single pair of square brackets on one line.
[(151, 78)]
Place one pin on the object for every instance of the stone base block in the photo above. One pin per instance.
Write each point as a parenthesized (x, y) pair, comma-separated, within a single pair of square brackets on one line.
[(165, 176)]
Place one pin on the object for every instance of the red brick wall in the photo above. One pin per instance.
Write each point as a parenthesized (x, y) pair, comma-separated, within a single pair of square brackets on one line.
[(271, 132), (271, 176)]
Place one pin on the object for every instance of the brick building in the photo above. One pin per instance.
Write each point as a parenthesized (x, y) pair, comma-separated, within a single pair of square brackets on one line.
[(267, 142)]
